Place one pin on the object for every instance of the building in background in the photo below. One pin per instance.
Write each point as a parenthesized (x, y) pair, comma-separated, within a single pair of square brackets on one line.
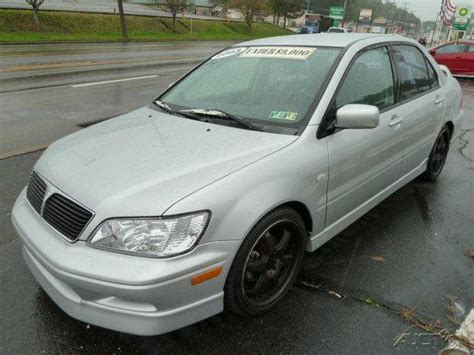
[(379, 25)]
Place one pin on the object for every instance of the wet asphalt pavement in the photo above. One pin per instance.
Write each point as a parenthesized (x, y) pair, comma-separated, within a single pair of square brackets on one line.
[(409, 251), (41, 102)]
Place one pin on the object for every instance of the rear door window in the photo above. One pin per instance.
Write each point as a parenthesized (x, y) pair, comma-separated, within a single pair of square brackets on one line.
[(412, 71), (432, 74)]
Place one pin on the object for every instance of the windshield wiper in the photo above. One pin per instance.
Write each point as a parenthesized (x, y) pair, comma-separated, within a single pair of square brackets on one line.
[(220, 115), (164, 106), (168, 109)]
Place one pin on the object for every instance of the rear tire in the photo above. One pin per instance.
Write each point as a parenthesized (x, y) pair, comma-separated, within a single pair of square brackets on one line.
[(266, 264), (437, 156)]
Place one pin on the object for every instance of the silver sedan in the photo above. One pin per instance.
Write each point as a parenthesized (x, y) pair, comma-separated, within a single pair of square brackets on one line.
[(207, 199)]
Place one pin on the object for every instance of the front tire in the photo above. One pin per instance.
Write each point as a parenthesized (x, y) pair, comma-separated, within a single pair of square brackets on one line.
[(437, 156), (266, 264)]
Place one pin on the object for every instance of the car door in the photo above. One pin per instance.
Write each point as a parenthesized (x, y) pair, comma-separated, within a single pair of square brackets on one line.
[(451, 56), (363, 162), (468, 61), (422, 104)]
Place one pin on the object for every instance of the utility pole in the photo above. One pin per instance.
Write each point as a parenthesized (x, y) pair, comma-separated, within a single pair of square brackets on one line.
[(389, 18), (435, 29), (123, 24), (394, 17), (405, 4), (344, 15)]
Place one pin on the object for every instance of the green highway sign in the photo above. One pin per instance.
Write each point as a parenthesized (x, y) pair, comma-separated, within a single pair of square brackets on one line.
[(336, 12)]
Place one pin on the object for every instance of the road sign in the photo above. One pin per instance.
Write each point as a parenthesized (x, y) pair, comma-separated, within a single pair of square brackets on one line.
[(336, 12), (462, 17), (365, 14)]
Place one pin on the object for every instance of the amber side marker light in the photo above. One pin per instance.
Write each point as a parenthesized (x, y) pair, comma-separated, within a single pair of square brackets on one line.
[(208, 275)]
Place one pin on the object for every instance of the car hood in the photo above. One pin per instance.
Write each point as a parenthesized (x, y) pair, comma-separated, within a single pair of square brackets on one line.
[(141, 163)]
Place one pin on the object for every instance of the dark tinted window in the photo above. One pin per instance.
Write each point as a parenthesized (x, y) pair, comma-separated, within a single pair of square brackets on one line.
[(412, 71), (369, 81), (471, 48), (451, 48), (432, 73)]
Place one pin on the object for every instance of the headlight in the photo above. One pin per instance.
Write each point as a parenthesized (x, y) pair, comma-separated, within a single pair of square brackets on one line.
[(159, 237)]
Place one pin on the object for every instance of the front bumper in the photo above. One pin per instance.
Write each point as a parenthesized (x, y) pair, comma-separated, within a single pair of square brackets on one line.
[(132, 294)]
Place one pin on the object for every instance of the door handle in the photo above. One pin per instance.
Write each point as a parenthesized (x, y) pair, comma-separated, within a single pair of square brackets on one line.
[(395, 121), (438, 100)]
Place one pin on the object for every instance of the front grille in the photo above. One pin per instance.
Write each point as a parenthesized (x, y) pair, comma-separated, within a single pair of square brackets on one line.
[(35, 192), (66, 216)]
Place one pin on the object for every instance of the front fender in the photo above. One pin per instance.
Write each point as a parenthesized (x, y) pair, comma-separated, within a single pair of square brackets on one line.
[(238, 201)]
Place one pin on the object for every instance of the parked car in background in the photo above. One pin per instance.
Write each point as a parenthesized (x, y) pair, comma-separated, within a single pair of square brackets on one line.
[(304, 30), (457, 56), (337, 30), (207, 199), (312, 26)]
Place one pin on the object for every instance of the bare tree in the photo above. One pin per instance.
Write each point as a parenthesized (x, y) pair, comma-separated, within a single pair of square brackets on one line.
[(174, 7), (224, 4), (123, 24), (249, 8), (35, 4)]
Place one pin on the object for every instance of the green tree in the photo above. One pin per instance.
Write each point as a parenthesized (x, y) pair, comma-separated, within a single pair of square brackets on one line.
[(222, 3), (174, 7), (249, 8)]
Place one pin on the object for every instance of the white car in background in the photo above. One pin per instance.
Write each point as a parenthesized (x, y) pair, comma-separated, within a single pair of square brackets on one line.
[(338, 30)]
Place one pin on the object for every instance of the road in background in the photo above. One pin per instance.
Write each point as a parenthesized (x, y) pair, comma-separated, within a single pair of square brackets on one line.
[(98, 6), (47, 90)]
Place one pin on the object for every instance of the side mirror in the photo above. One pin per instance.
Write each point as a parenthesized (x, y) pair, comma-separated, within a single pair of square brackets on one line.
[(355, 116)]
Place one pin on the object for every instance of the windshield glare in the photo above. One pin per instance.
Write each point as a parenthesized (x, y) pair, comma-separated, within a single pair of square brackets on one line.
[(273, 86)]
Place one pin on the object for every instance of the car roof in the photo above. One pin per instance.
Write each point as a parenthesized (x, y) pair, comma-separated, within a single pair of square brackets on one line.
[(462, 41), (323, 40)]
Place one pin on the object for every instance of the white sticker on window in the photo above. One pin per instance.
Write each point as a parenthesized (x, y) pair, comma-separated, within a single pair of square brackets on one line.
[(229, 52), (299, 53)]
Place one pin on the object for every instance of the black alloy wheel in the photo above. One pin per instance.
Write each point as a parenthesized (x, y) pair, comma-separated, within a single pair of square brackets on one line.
[(267, 263), (438, 156)]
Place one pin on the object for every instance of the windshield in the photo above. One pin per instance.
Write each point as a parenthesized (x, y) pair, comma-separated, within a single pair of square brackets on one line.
[(269, 86)]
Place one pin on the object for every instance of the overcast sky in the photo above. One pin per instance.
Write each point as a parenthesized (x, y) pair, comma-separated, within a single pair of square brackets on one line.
[(426, 10)]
